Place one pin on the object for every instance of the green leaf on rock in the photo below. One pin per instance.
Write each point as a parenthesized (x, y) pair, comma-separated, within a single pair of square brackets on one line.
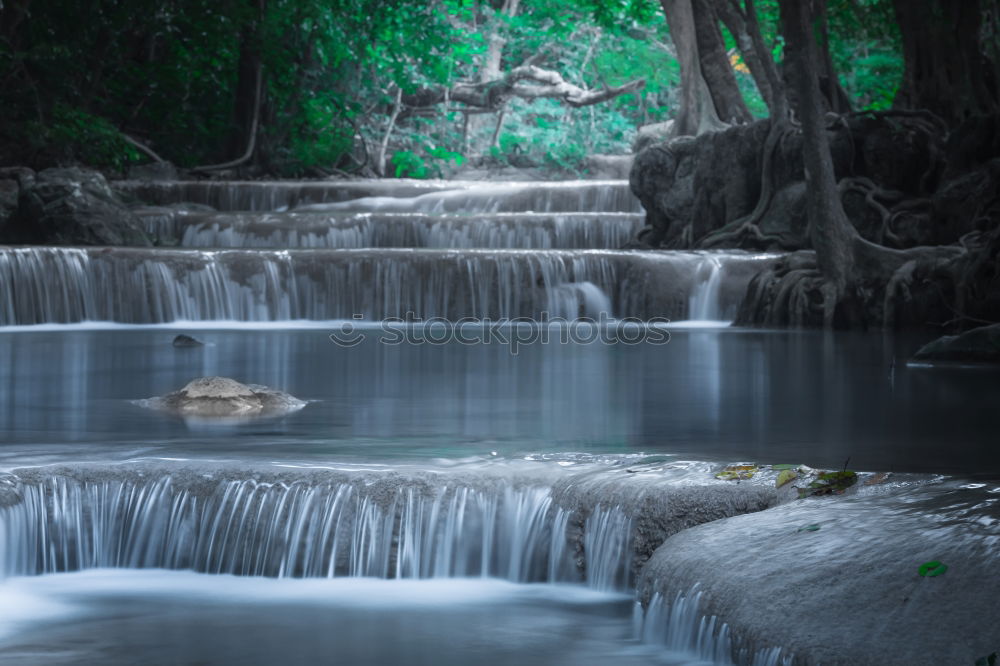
[(830, 483), (932, 569), (784, 477), (737, 472), (809, 528)]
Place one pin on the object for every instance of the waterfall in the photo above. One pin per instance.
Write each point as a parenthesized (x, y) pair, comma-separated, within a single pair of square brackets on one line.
[(335, 230), (607, 543), (391, 195), (681, 628), (307, 529), (704, 304), (146, 286)]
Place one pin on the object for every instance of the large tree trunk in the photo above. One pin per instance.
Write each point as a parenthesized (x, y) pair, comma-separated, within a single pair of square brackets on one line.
[(697, 112), (715, 65), (247, 100), (829, 84), (490, 69), (831, 232), (742, 23), (945, 69)]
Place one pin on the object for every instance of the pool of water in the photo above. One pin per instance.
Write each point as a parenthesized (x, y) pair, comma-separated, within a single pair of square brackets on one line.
[(67, 393), (169, 617)]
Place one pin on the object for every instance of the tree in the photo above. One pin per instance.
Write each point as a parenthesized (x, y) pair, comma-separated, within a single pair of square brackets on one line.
[(831, 232), (743, 24), (710, 98), (950, 77)]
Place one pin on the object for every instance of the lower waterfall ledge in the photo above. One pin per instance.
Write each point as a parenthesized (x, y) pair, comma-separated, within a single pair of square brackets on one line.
[(518, 520), (848, 581)]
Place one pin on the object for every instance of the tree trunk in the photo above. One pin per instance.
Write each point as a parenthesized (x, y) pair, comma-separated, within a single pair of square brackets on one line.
[(247, 96), (697, 109), (715, 66), (831, 232), (945, 69), (745, 29), (829, 84), (490, 69)]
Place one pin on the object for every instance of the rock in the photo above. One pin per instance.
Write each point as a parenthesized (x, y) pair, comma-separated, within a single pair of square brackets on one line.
[(222, 397), (979, 345), (692, 187), (849, 592), (12, 181), (187, 341), (72, 207), (9, 191), (650, 134), (24, 176)]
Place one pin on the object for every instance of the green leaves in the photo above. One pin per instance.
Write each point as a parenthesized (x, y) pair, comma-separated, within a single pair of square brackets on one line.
[(932, 569), (830, 483)]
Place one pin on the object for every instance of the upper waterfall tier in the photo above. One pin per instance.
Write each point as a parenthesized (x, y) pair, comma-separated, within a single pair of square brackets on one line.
[(143, 286), (392, 196), (335, 230)]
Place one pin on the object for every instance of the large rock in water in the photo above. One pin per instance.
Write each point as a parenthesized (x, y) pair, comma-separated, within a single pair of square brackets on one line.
[(71, 207), (849, 581), (210, 397), (980, 345)]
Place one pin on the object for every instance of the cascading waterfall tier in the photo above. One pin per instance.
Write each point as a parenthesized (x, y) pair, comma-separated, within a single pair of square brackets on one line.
[(681, 626), (372, 230), (391, 195), (145, 286), (541, 523), (309, 525)]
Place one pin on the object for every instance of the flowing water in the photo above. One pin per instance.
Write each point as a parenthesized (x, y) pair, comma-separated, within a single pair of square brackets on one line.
[(506, 415)]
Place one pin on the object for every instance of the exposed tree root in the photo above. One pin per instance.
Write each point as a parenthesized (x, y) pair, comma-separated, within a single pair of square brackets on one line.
[(736, 232)]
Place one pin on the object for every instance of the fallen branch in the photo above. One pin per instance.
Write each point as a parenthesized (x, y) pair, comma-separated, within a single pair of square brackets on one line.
[(142, 147), (526, 82)]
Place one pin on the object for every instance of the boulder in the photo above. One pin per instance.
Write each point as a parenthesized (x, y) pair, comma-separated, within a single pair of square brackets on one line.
[(847, 580), (650, 134), (222, 397), (72, 207), (183, 340), (12, 181), (979, 345)]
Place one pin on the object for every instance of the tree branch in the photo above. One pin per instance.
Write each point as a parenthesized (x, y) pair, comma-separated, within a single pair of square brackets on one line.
[(527, 82)]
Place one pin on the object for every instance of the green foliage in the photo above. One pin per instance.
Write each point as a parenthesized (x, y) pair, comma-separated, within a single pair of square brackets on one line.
[(830, 483), (174, 73), (431, 164), (95, 140)]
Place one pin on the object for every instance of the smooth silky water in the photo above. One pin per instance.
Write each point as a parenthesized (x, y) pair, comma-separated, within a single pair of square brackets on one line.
[(434, 502), (708, 394)]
